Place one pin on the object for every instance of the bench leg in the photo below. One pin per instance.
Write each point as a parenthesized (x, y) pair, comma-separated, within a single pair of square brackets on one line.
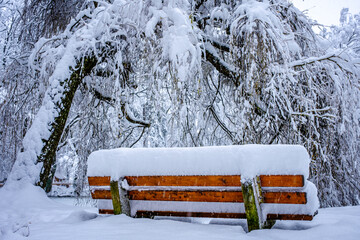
[(251, 208), (252, 195), (119, 198), (115, 196)]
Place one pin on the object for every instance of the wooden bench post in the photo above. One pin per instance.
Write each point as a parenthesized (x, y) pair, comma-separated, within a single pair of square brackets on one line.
[(115, 196), (251, 208), (119, 198), (252, 195)]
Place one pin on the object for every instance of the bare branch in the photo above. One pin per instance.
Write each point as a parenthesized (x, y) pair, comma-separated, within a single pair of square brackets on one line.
[(132, 119), (221, 124), (219, 45), (124, 109), (142, 133), (220, 65)]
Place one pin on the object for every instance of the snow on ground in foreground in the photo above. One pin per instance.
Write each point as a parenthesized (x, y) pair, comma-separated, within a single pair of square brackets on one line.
[(28, 212)]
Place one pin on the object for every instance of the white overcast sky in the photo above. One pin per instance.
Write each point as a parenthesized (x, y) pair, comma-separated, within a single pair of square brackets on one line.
[(327, 12)]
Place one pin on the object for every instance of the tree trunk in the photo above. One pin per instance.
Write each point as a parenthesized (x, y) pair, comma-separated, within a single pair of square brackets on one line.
[(48, 152)]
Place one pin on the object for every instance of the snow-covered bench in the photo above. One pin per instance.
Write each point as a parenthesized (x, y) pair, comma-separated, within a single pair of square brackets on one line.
[(257, 182)]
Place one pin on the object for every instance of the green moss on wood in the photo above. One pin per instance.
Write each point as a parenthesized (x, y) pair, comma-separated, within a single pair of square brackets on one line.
[(251, 210), (115, 196)]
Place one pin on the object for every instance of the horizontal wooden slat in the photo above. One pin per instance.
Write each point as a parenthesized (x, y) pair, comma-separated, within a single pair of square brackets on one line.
[(282, 180), (106, 211), (211, 180), (101, 194), (99, 181), (214, 181), (190, 196), (150, 214), (285, 197), (289, 217), (214, 196)]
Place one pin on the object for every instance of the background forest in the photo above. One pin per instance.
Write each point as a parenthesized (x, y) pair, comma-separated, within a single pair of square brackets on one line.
[(77, 76)]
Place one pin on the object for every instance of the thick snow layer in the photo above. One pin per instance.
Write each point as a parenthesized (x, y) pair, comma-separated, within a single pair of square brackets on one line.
[(246, 160), (310, 207), (26, 213)]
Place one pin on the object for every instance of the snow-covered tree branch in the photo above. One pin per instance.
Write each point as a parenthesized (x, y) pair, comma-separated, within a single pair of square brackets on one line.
[(151, 73)]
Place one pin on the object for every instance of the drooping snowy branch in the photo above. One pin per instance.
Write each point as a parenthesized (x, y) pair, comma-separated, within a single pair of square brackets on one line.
[(202, 73)]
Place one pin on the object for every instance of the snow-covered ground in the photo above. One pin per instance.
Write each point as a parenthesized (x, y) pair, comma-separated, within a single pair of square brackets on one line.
[(27, 213)]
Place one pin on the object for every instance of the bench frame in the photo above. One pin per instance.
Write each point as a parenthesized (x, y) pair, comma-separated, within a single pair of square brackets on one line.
[(251, 193)]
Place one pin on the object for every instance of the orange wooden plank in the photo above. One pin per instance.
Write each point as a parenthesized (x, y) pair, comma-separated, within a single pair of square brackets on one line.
[(106, 211), (213, 181), (99, 181), (190, 196), (150, 214), (101, 194), (290, 217), (282, 180), (285, 197), (215, 196)]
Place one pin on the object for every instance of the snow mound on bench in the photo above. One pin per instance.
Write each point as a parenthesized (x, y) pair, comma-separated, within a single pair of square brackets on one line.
[(245, 160)]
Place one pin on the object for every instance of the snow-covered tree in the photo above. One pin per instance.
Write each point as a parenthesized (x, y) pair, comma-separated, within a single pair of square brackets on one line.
[(152, 73), (343, 155), (13, 87)]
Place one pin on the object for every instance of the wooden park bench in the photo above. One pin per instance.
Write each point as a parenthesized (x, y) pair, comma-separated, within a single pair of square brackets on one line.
[(261, 200)]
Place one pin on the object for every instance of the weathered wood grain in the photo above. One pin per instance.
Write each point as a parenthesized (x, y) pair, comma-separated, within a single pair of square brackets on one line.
[(151, 214), (115, 196), (101, 194), (282, 180), (285, 197), (99, 181), (190, 196), (106, 211), (303, 217), (210, 181), (215, 196)]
